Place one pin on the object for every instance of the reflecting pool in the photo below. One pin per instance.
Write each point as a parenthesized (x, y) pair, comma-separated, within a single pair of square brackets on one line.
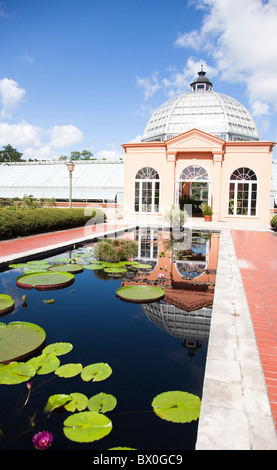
[(151, 347)]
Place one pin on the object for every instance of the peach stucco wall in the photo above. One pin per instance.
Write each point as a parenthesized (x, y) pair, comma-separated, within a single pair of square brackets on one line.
[(218, 157)]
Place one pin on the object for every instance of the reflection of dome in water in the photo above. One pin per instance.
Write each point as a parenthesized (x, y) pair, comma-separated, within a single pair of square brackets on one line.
[(203, 109), (178, 323)]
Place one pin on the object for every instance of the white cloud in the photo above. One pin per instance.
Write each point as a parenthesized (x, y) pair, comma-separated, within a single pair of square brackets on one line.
[(260, 109), (149, 84), (42, 153), (241, 39), (65, 136), (21, 135), (112, 154), (27, 58), (11, 94)]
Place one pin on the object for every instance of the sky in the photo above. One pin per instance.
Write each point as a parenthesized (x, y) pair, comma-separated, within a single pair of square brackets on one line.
[(87, 74)]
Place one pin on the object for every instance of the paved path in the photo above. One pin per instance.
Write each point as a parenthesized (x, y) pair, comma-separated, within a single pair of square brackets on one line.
[(257, 257), (23, 246)]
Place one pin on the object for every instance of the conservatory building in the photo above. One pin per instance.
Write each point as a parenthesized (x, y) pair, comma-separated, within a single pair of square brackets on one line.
[(201, 147)]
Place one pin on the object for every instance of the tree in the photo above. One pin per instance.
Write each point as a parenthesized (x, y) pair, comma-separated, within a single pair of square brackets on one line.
[(84, 155), (9, 154)]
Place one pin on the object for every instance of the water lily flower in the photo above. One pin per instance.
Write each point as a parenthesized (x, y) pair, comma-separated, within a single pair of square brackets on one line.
[(43, 440), (161, 275)]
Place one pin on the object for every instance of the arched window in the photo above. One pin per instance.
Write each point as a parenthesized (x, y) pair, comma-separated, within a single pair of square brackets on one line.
[(194, 173), (243, 192), (147, 190), (194, 182)]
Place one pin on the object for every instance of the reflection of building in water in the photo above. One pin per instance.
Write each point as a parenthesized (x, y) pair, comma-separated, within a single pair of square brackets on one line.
[(184, 264), (192, 328)]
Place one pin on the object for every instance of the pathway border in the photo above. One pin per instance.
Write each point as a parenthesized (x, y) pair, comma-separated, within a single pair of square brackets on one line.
[(235, 411)]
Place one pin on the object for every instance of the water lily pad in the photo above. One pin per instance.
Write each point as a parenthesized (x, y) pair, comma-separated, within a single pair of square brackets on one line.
[(6, 304), (45, 363), (177, 406), (144, 266), (57, 401), (58, 349), (18, 340), (96, 372), (68, 268), (102, 403), (79, 402), (140, 293), (45, 280), (94, 266), (115, 270), (87, 426), (15, 373), (69, 370), (19, 265)]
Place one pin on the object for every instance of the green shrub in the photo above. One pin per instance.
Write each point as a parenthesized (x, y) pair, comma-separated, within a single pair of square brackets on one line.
[(113, 251), (273, 222), (22, 222)]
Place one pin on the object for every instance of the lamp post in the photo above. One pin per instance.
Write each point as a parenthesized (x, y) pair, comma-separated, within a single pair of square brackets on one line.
[(70, 167)]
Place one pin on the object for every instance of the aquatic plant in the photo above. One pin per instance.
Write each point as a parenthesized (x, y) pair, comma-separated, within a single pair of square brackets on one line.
[(177, 406), (19, 340), (140, 293), (43, 440), (6, 304), (45, 280), (115, 250)]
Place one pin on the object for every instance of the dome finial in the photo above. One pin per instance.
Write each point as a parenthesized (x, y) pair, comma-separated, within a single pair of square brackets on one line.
[(201, 83)]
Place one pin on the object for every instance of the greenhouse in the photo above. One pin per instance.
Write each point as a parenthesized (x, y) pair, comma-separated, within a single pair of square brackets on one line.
[(90, 181)]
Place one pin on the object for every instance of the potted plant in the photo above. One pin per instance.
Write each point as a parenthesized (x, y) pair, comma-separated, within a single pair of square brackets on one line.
[(207, 212)]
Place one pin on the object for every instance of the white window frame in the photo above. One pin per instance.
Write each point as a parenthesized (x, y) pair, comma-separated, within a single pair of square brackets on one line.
[(147, 180), (248, 177)]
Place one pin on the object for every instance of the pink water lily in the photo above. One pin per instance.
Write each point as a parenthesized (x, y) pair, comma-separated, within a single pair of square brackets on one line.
[(43, 440)]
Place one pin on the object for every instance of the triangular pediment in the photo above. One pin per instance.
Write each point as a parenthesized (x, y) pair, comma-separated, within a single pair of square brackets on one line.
[(194, 139)]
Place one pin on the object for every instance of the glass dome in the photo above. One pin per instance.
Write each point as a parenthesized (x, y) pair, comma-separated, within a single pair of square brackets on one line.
[(204, 109)]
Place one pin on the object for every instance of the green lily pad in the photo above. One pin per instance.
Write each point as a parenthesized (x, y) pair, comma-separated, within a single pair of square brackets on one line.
[(140, 293), (121, 448), (19, 265), (115, 270), (96, 372), (57, 401), (45, 363), (6, 304), (177, 406), (144, 266), (45, 280), (102, 403), (87, 426), (58, 349), (94, 266), (18, 340), (15, 373), (69, 370), (78, 402), (68, 268)]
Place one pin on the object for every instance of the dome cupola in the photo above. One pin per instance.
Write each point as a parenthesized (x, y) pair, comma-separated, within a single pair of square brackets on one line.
[(204, 109), (201, 83)]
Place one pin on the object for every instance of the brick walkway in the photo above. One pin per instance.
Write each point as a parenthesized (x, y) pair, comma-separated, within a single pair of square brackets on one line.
[(257, 256), (25, 244)]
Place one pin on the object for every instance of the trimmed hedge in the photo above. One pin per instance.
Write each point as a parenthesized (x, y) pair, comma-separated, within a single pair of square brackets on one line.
[(22, 222), (273, 222)]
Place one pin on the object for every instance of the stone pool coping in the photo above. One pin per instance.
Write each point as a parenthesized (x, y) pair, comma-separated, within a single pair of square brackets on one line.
[(235, 411)]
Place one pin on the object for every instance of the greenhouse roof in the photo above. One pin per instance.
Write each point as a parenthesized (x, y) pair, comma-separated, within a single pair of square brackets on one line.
[(51, 180)]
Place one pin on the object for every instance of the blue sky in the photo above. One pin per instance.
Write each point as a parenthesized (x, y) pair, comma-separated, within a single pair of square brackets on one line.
[(87, 74)]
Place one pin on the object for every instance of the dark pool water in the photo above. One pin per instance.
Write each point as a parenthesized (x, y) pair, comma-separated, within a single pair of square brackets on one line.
[(146, 360)]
